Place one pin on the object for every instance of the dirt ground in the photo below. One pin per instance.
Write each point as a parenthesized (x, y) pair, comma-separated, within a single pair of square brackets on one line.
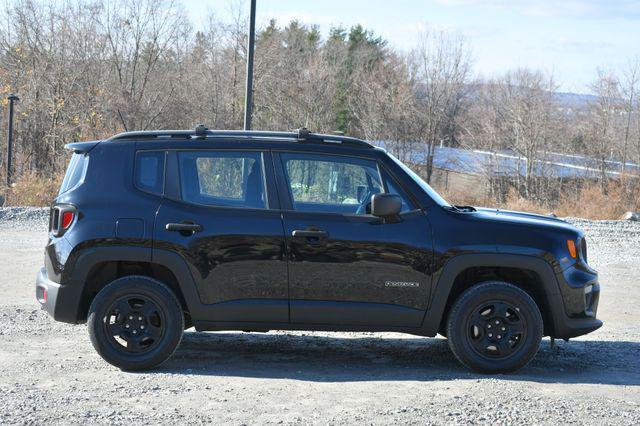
[(49, 372)]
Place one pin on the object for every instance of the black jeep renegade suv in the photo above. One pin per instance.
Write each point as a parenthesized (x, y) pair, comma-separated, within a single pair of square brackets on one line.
[(155, 232)]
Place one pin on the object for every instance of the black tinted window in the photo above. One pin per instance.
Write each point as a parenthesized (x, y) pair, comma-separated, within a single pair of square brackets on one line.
[(149, 174), (332, 184), (75, 172), (222, 178), (394, 188)]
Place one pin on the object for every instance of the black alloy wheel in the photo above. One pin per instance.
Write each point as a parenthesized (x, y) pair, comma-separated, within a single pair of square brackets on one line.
[(494, 327), (135, 323)]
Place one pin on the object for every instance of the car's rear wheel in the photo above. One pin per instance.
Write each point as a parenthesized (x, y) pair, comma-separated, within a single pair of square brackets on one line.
[(494, 327), (135, 323)]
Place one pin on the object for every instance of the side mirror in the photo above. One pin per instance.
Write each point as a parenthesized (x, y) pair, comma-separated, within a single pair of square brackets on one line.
[(386, 205)]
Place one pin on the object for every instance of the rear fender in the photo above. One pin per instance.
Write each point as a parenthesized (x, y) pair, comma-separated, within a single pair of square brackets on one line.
[(92, 257)]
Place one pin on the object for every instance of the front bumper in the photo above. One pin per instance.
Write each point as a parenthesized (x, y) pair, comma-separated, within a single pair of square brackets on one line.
[(568, 328), (59, 300), (580, 291)]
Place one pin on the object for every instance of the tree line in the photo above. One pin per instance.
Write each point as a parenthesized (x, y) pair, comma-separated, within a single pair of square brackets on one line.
[(89, 69)]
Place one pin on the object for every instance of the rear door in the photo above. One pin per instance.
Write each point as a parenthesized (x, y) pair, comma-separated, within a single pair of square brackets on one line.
[(346, 266), (221, 214)]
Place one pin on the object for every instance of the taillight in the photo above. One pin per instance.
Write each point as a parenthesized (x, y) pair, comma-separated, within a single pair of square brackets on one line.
[(67, 219), (62, 217), (41, 294)]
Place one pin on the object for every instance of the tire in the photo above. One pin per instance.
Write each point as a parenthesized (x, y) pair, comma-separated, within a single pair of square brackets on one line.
[(494, 327), (135, 323)]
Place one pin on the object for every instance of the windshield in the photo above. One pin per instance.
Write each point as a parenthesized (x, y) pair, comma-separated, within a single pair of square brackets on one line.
[(424, 185)]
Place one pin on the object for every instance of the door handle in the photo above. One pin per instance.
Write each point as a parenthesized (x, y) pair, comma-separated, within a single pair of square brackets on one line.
[(309, 234), (183, 227)]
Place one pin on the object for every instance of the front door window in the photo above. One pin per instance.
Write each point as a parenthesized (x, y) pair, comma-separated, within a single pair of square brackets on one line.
[(331, 184)]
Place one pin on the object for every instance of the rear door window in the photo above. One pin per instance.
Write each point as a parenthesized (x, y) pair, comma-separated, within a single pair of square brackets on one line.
[(222, 178)]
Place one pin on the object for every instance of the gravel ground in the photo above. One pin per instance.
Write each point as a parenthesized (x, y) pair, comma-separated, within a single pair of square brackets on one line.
[(24, 217), (51, 374)]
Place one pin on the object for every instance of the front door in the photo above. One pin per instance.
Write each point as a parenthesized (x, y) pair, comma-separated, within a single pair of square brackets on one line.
[(226, 224), (346, 266)]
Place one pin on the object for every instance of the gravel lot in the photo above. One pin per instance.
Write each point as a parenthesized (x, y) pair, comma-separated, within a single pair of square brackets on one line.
[(49, 373)]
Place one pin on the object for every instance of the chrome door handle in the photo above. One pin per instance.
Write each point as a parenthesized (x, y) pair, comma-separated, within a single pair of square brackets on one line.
[(182, 227), (309, 234)]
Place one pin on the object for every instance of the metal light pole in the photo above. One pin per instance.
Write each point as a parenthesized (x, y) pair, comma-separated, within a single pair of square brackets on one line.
[(11, 98), (248, 98)]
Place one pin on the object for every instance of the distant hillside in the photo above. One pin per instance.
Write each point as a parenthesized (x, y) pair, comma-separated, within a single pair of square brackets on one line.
[(574, 100), (566, 99)]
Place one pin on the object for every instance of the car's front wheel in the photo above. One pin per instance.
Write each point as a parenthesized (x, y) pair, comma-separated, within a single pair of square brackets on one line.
[(135, 323), (494, 327)]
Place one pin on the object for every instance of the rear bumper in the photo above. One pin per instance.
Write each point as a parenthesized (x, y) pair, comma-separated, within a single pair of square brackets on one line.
[(46, 292), (57, 299)]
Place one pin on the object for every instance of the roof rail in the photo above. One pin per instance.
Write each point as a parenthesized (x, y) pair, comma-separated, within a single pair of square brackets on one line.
[(201, 132)]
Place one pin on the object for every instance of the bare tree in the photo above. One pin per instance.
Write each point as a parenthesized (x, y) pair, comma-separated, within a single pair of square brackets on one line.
[(294, 83), (386, 107), (603, 120), (443, 68), (141, 35), (630, 88), (516, 113), (526, 109)]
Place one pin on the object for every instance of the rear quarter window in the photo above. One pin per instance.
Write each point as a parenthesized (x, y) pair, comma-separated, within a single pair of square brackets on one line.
[(149, 171), (75, 172)]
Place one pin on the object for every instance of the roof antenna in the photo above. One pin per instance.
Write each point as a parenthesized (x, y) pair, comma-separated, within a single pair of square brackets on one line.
[(122, 120), (201, 131)]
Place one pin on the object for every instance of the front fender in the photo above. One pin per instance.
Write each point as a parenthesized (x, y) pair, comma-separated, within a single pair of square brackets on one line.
[(456, 265)]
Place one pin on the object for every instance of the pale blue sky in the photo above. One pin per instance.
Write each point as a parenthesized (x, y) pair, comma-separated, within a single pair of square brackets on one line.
[(569, 38)]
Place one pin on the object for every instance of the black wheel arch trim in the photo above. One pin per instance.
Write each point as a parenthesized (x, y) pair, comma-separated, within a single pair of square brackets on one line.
[(71, 302), (68, 306), (562, 326), (178, 266)]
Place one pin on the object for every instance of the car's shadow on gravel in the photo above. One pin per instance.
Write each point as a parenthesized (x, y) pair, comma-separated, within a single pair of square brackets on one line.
[(322, 358)]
